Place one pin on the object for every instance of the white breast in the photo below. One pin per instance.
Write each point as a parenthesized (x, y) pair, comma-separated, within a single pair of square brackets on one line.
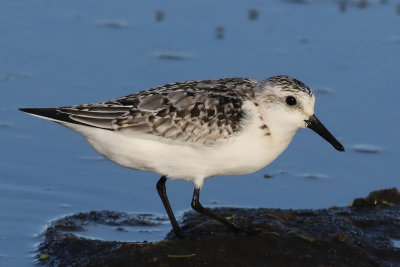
[(247, 152)]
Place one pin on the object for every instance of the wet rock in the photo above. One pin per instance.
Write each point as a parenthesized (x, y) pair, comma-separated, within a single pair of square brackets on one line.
[(387, 197), (348, 236)]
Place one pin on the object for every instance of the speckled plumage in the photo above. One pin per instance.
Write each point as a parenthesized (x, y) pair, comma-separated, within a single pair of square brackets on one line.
[(192, 111), (289, 84)]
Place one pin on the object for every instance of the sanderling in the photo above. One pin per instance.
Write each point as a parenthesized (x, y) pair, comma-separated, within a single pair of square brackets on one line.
[(194, 130)]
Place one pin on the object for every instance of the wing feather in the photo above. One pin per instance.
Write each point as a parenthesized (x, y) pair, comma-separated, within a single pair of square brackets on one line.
[(194, 111)]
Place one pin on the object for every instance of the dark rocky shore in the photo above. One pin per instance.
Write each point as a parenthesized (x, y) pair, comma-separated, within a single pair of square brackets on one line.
[(363, 234)]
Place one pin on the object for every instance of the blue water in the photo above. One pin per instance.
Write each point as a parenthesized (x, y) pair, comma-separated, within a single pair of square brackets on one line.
[(55, 53)]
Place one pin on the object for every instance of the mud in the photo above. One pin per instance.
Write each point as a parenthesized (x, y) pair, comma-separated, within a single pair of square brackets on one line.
[(363, 234)]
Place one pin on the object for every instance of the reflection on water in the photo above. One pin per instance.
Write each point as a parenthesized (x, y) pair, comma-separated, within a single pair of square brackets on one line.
[(56, 54), (396, 243), (365, 148), (126, 234)]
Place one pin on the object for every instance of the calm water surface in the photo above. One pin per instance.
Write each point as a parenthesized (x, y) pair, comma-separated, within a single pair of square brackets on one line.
[(55, 53)]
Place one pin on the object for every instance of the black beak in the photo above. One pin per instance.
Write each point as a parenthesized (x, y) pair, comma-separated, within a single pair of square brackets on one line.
[(314, 124)]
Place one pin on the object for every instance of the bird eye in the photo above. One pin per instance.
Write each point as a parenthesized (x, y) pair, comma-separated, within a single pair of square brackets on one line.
[(291, 101)]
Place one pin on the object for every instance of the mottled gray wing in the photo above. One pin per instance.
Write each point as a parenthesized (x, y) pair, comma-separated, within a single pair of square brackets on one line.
[(193, 111)]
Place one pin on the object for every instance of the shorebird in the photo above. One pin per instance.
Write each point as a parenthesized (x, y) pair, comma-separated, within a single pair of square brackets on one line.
[(194, 130)]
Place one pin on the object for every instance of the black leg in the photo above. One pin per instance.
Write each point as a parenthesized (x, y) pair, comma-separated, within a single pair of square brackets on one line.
[(196, 205), (163, 195)]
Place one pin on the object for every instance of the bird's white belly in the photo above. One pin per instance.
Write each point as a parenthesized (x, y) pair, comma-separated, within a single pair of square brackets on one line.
[(245, 153)]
